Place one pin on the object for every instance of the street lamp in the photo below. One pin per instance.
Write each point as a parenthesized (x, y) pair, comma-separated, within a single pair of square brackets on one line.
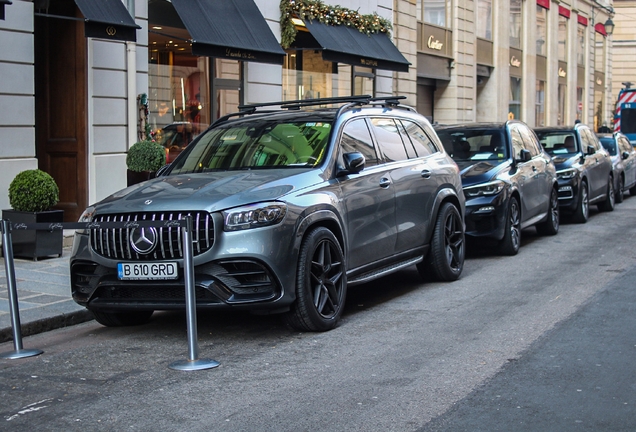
[(609, 26)]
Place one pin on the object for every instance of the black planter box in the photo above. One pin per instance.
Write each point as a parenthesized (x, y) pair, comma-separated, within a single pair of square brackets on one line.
[(134, 177), (35, 244)]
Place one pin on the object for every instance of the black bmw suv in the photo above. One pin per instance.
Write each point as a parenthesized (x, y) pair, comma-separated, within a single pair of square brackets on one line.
[(291, 203), (584, 169), (509, 181)]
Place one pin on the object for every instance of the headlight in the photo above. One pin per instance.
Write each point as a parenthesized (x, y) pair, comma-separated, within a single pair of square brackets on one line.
[(253, 216), (86, 217), (491, 188), (567, 173)]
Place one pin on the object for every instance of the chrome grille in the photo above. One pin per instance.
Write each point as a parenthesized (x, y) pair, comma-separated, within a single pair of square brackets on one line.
[(115, 243)]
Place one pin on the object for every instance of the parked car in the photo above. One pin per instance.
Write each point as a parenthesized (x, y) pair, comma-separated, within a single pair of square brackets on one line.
[(290, 206), (509, 182), (624, 162), (584, 169), (176, 136)]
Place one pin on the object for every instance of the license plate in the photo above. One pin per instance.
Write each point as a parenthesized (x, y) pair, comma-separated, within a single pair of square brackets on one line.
[(147, 271)]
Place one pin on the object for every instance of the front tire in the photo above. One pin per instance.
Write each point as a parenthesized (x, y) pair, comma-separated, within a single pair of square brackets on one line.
[(620, 195), (551, 224), (582, 212), (122, 319), (609, 203), (448, 247), (321, 283), (511, 241)]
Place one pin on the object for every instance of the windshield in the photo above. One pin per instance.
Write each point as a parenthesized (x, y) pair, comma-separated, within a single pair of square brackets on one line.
[(256, 145), (474, 145), (558, 143), (610, 145)]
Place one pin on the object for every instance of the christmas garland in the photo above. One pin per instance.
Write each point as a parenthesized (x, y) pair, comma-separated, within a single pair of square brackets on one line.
[(331, 15)]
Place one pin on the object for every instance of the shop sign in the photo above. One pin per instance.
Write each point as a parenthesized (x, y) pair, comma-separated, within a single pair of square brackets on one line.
[(434, 44), (515, 62), (370, 63), (562, 73), (238, 54)]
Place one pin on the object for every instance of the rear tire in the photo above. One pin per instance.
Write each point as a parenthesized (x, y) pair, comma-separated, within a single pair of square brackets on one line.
[(122, 319), (609, 203), (321, 283), (551, 225), (582, 212), (511, 241), (445, 260)]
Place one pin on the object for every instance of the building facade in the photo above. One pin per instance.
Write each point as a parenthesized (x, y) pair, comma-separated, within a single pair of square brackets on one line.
[(82, 81)]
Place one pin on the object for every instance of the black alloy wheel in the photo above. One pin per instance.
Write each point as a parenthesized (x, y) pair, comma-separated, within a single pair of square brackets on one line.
[(321, 283), (551, 225), (582, 212), (511, 241), (445, 260)]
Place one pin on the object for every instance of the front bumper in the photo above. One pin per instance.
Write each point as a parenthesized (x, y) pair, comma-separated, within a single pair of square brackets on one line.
[(486, 216), (568, 194)]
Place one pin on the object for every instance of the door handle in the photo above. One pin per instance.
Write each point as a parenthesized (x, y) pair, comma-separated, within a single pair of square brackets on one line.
[(426, 174), (385, 182)]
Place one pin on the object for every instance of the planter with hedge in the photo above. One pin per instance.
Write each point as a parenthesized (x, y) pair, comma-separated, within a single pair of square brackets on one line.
[(32, 194), (143, 160)]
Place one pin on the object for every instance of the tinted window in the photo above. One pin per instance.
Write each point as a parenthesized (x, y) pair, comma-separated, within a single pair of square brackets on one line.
[(356, 138), (389, 139), (610, 145), (529, 140), (589, 138), (517, 142), (419, 139), (625, 145)]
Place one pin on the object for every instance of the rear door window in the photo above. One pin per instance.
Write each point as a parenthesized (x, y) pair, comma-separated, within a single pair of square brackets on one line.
[(389, 140), (418, 138)]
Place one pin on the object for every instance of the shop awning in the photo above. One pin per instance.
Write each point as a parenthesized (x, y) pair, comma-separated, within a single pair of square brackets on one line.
[(233, 29), (348, 45), (2, 3), (108, 19)]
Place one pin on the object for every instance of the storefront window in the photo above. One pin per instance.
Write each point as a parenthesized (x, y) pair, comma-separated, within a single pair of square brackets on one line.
[(178, 84), (561, 104), (598, 110), (542, 33), (580, 52), (227, 86), (436, 12), (579, 103), (306, 76), (563, 38), (539, 112), (484, 19), (515, 24), (514, 107), (599, 52)]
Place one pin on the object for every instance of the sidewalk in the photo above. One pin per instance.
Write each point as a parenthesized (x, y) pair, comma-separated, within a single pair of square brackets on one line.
[(44, 296)]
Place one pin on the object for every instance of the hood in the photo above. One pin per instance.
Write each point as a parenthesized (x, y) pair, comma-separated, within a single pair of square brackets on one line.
[(565, 161), (211, 191), (482, 171)]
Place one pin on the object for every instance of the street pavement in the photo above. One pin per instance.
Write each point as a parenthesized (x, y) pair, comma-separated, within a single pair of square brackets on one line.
[(44, 295)]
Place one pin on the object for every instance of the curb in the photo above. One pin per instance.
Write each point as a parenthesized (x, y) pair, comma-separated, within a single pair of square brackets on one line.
[(48, 324)]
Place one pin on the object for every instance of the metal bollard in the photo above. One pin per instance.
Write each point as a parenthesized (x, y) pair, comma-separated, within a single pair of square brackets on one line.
[(7, 248), (193, 362)]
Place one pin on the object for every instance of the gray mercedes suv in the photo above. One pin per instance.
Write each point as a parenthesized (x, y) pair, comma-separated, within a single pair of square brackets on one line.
[(291, 202)]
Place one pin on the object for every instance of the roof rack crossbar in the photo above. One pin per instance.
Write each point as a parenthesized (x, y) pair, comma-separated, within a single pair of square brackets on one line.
[(294, 104)]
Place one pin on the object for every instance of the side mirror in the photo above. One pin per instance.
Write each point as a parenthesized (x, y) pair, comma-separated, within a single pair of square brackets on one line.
[(590, 150), (354, 162), (524, 155), (625, 155)]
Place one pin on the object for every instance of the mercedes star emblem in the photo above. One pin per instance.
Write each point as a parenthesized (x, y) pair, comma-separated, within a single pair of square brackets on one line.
[(143, 240)]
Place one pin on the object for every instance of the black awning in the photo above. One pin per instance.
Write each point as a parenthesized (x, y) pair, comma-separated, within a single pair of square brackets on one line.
[(348, 45), (233, 29), (108, 19), (2, 3)]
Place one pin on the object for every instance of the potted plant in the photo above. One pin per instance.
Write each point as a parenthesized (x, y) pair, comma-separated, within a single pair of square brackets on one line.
[(32, 194), (143, 160)]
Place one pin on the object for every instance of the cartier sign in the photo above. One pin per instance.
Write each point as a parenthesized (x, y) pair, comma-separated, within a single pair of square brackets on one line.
[(515, 62), (434, 44)]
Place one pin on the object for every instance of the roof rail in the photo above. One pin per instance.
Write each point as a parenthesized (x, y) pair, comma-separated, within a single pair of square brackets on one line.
[(295, 104)]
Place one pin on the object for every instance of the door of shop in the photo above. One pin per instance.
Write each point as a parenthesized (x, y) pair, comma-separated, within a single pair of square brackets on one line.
[(61, 104)]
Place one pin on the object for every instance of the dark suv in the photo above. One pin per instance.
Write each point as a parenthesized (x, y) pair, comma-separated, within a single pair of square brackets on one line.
[(584, 169), (509, 181), (290, 205)]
